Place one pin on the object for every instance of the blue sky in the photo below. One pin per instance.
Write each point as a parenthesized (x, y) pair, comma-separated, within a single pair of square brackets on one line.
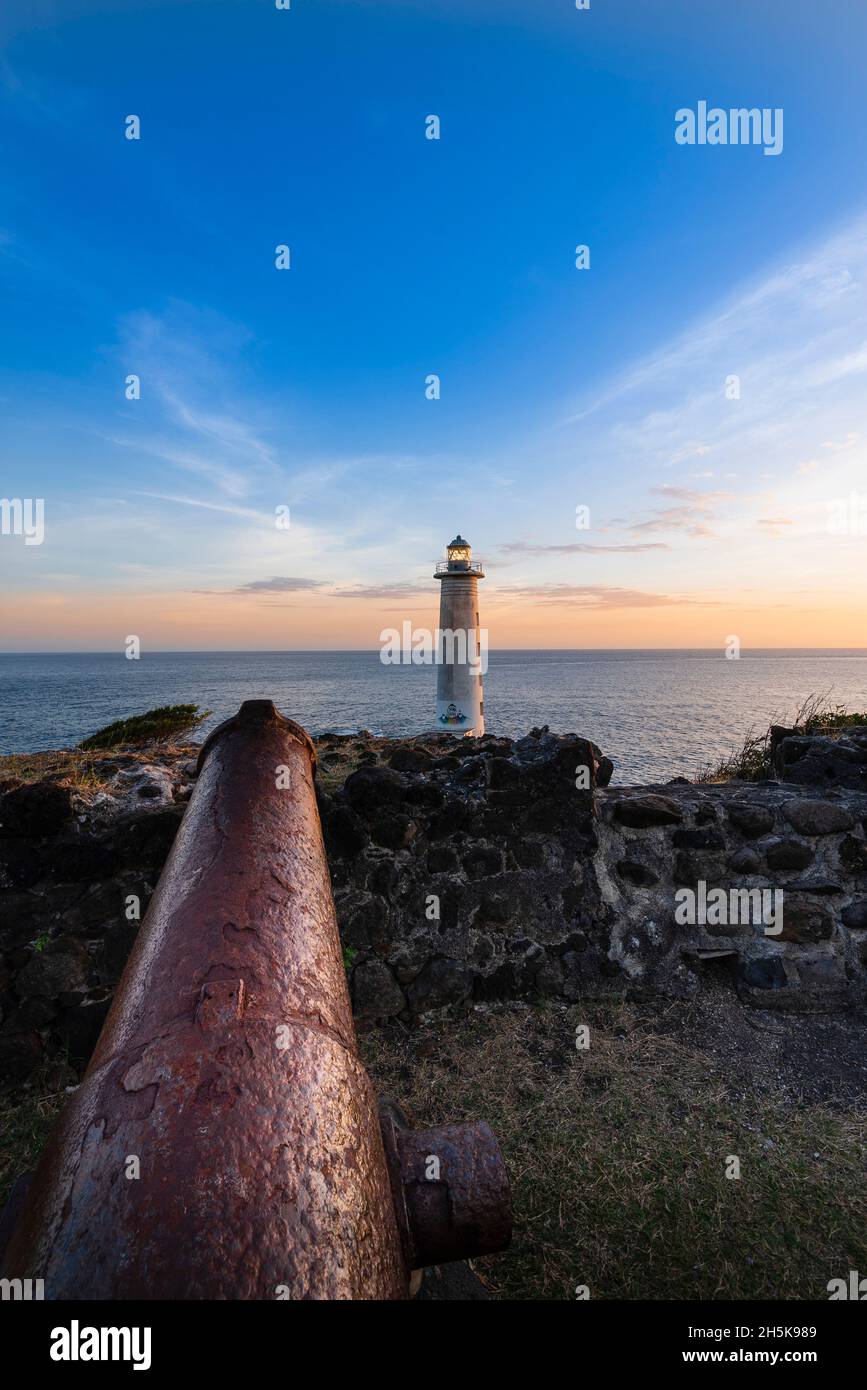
[(307, 387)]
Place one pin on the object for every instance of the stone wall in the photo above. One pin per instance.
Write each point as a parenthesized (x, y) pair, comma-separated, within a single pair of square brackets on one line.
[(543, 890), (463, 871), (69, 863), (810, 848)]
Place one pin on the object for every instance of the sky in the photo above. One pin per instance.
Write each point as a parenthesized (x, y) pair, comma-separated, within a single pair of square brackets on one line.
[(700, 388)]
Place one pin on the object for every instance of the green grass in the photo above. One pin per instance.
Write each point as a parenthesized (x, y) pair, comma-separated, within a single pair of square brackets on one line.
[(26, 1120), (166, 722), (617, 1158)]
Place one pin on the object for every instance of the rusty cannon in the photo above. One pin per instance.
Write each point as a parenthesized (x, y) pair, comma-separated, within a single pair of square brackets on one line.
[(225, 1141)]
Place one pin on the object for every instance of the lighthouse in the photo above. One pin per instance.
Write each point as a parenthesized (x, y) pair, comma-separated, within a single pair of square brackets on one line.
[(460, 651)]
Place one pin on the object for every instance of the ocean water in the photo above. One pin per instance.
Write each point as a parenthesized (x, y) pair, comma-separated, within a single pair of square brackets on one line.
[(657, 714)]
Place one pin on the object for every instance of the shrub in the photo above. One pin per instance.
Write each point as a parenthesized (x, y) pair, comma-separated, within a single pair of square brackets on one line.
[(166, 722), (752, 761)]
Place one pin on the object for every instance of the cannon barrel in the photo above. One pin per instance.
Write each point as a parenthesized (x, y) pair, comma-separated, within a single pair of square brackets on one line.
[(226, 1142)]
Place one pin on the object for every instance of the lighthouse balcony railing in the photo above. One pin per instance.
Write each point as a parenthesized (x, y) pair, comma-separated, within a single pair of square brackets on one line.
[(459, 567)]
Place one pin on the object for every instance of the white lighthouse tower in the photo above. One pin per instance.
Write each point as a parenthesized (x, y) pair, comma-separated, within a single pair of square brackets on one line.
[(460, 650)]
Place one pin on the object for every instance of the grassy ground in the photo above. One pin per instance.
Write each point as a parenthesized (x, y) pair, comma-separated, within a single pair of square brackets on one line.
[(617, 1154), (159, 732), (618, 1158), (77, 770), (84, 771), (337, 757), (27, 1115)]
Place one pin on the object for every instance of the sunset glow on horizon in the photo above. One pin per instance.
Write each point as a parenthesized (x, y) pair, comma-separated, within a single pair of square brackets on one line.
[(698, 394)]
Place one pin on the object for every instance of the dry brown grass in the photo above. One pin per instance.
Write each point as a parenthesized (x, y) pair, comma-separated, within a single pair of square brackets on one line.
[(82, 771), (337, 757), (75, 769), (85, 771)]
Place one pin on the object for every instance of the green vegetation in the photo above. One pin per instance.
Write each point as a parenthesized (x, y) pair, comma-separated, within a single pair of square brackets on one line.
[(752, 761), (27, 1117), (166, 722), (617, 1157), (349, 954)]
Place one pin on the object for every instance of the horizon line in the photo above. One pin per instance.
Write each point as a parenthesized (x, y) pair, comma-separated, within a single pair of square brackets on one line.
[(371, 651)]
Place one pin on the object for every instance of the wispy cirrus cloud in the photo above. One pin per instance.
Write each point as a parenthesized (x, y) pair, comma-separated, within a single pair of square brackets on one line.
[(192, 414), (282, 584), (769, 392), (226, 508), (279, 584), (596, 596), (690, 514), (817, 296), (410, 590), (582, 548)]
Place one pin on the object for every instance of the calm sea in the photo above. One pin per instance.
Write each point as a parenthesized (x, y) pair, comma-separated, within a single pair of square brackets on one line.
[(658, 714)]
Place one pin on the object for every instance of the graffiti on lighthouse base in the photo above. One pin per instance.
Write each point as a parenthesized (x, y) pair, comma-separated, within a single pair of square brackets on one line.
[(452, 715)]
